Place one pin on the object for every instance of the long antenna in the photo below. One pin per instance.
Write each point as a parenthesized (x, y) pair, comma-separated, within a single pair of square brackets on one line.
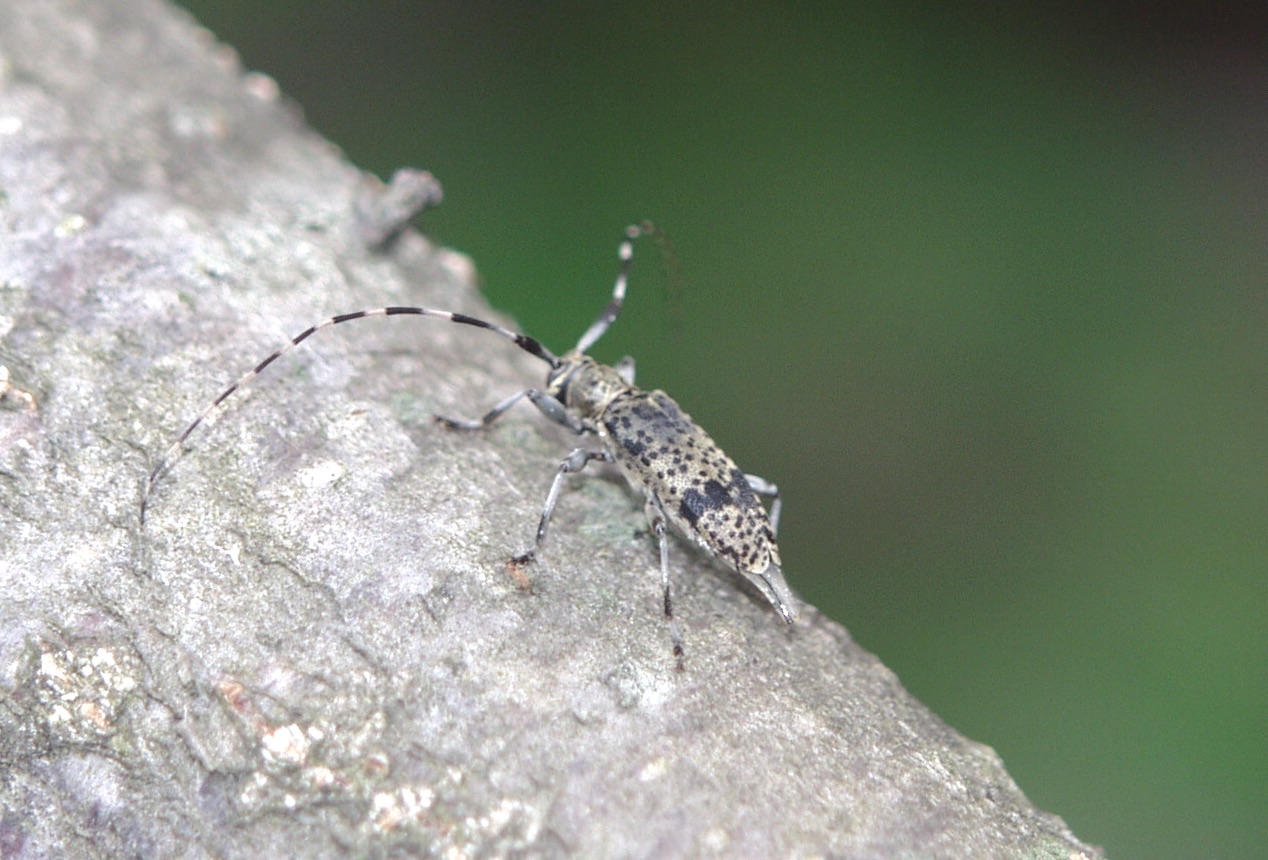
[(523, 341), (613, 310)]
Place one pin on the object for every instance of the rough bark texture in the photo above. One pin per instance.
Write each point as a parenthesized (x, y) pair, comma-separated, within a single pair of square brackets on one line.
[(313, 647)]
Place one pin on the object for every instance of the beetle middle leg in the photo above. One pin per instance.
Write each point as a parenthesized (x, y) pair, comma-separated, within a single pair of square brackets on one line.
[(763, 487), (574, 462)]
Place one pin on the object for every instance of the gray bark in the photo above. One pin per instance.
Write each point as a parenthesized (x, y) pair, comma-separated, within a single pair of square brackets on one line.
[(314, 647)]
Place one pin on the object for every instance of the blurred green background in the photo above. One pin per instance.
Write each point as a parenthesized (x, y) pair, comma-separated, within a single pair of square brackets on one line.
[(983, 287)]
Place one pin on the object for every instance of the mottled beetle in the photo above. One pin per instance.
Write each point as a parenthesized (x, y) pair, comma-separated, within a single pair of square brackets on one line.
[(685, 477)]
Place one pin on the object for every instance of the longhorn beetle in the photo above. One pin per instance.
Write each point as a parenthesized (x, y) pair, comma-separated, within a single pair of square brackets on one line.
[(686, 479)]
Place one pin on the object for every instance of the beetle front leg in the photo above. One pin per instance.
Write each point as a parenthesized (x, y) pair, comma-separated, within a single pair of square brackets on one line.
[(489, 417)]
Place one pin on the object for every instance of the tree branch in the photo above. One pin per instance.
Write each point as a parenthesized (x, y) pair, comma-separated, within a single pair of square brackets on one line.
[(314, 646)]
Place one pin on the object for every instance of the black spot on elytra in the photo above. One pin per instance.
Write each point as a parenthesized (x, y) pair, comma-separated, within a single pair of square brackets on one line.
[(718, 494), (695, 503)]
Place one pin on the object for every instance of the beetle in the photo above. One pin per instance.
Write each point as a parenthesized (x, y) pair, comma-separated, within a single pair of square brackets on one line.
[(686, 480)]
